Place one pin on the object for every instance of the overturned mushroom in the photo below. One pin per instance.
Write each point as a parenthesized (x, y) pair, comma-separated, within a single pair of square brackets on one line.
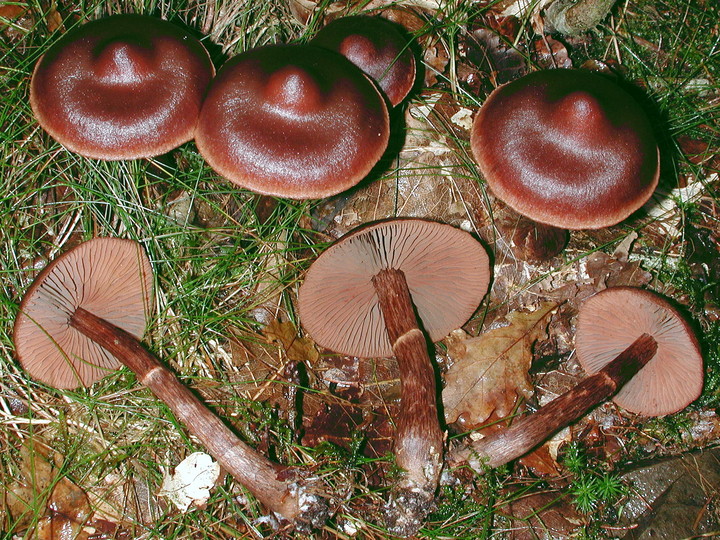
[(86, 312), (360, 298), (122, 87), (636, 346)]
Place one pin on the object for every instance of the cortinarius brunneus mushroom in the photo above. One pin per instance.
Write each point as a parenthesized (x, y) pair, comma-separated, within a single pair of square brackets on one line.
[(376, 46), (610, 320), (567, 148), (360, 298), (84, 314), (122, 87), (109, 277), (635, 346), (293, 121)]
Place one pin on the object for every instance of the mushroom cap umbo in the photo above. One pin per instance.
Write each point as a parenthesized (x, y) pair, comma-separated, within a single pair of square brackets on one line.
[(109, 277), (376, 46), (122, 87), (566, 147), (447, 272), (613, 319), (293, 121)]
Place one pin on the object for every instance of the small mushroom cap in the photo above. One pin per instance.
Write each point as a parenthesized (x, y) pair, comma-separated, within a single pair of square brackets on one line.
[(123, 87), (376, 46), (567, 148), (293, 121), (447, 271), (111, 278), (613, 319)]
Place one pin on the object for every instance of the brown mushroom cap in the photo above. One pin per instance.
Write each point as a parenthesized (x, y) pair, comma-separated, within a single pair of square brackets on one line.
[(446, 269), (110, 277), (123, 87), (613, 319), (377, 47), (567, 148), (293, 121)]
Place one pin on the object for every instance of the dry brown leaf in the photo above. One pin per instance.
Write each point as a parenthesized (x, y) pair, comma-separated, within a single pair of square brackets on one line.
[(551, 54), (544, 515), (490, 372), (31, 486), (296, 348), (53, 19), (608, 271), (9, 12), (63, 509), (67, 512), (495, 62), (541, 462)]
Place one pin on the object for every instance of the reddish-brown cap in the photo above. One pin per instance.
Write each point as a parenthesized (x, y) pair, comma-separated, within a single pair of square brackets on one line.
[(613, 319), (111, 278), (123, 87), (376, 46), (567, 148), (447, 272), (293, 121)]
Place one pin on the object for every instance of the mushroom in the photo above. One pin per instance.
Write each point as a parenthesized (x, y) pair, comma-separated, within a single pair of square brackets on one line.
[(360, 298), (376, 46), (568, 148), (122, 87), (635, 346), (292, 121), (87, 310)]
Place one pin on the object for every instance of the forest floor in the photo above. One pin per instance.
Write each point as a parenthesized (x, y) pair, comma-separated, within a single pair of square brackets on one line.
[(90, 463)]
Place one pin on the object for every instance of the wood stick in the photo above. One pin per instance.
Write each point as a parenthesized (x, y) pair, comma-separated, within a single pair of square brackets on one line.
[(418, 439), (275, 486), (504, 446)]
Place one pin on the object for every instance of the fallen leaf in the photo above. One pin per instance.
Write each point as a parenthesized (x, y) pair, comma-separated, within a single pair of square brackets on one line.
[(8, 12), (60, 507), (67, 512), (30, 490), (190, 484), (296, 348), (551, 54), (490, 372), (497, 61), (543, 515), (608, 271), (541, 462), (53, 19)]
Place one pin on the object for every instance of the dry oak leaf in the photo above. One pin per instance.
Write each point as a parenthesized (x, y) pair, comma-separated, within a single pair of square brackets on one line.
[(490, 372), (296, 348)]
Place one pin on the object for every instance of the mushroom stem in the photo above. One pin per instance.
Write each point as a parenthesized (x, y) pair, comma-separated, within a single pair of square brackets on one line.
[(276, 486), (528, 432), (418, 437)]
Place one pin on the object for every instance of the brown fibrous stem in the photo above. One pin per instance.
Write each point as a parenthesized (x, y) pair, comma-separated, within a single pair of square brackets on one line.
[(522, 436), (280, 488), (419, 440)]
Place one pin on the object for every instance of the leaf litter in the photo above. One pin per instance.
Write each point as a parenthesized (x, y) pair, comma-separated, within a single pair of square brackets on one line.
[(489, 374), (38, 496), (429, 179)]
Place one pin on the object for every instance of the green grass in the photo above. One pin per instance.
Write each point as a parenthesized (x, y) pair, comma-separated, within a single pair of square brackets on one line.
[(222, 255)]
